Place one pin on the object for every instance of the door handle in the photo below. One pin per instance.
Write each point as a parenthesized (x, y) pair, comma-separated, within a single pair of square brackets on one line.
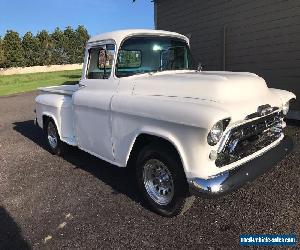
[(81, 85)]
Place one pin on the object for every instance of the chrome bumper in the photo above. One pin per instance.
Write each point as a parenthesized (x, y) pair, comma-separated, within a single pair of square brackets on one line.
[(233, 179)]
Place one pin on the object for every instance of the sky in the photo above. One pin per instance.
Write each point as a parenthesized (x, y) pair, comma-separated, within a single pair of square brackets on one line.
[(97, 16)]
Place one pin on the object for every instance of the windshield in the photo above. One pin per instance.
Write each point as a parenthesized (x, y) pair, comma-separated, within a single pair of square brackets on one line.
[(139, 55)]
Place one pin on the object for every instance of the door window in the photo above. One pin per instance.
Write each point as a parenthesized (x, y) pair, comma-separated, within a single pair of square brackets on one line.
[(100, 61)]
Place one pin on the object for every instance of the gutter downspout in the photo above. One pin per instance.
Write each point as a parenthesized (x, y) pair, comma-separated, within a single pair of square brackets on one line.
[(224, 47), (155, 14)]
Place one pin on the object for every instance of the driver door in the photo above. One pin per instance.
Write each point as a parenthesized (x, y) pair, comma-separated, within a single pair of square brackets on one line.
[(92, 103)]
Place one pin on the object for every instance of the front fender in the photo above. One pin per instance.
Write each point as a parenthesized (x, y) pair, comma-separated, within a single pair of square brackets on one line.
[(284, 95), (159, 133), (184, 123)]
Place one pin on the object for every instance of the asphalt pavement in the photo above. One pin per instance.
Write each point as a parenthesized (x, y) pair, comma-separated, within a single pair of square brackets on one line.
[(79, 201)]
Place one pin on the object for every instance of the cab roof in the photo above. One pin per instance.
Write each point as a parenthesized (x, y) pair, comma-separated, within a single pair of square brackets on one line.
[(120, 35)]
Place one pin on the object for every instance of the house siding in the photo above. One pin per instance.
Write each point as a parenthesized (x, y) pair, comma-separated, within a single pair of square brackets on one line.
[(260, 36)]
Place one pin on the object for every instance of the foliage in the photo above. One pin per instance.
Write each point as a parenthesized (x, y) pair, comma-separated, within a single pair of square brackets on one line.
[(60, 47), (70, 44), (45, 48), (2, 58), (12, 84), (13, 50), (31, 49), (59, 53), (82, 37)]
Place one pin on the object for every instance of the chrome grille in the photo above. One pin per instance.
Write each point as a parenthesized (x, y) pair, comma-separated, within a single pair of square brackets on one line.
[(249, 138)]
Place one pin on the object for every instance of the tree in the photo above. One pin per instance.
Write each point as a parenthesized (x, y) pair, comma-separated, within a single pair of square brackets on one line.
[(2, 58), (59, 53), (31, 49), (70, 44), (13, 50), (60, 47), (45, 48), (82, 37)]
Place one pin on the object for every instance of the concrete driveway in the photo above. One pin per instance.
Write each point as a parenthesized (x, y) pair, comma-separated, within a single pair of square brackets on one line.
[(80, 201)]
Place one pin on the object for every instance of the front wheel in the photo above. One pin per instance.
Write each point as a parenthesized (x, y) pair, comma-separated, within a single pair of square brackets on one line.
[(162, 181)]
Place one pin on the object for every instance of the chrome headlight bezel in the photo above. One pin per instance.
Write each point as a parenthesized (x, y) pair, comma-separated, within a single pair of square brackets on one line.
[(286, 108), (216, 132)]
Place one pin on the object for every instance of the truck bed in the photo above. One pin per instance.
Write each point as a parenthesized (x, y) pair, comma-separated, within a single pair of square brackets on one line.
[(61, 89)]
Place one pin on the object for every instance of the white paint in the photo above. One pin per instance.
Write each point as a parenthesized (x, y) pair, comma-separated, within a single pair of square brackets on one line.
[(92, 107), (105, 117), (120, 35)]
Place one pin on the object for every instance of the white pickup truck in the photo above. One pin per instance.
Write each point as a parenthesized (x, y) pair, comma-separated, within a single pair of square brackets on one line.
[(142, 103)]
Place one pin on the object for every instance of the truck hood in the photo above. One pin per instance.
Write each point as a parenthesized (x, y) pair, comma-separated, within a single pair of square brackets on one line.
[(224, 87), (198, 99)]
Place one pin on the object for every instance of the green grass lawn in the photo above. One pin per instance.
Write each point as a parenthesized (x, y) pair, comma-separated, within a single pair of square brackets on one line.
[(27, 82)]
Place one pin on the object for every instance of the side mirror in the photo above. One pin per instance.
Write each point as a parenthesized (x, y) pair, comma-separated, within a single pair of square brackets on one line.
[(102, 59)]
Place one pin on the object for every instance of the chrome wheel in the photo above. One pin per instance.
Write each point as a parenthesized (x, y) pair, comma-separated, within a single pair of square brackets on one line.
[(158, 181), (52, 135)]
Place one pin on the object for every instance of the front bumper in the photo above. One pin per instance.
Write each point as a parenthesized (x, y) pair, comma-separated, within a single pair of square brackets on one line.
[(235, 178)]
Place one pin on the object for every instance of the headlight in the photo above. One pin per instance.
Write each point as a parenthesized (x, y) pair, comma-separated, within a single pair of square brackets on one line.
[(285, 108), (215, 133)]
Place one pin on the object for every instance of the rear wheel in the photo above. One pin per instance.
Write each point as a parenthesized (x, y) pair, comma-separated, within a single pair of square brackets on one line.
[(162, 181), (55, 145)]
